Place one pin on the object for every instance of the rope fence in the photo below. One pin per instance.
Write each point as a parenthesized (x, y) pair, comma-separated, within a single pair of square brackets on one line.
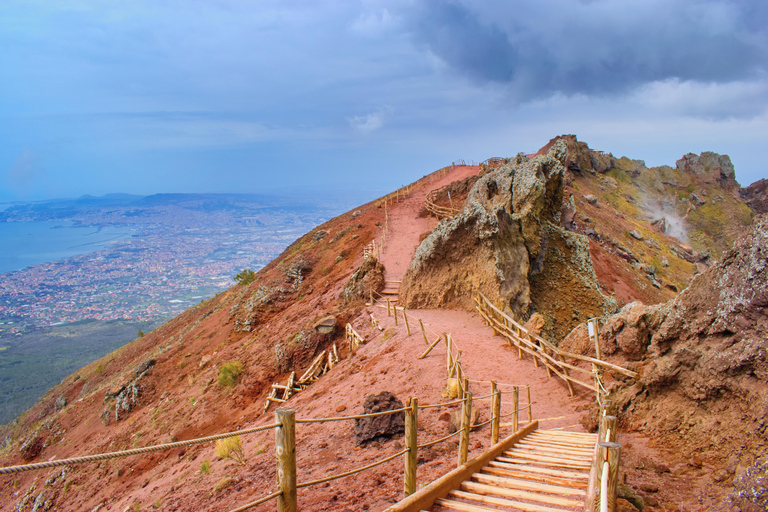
[(127, 453)]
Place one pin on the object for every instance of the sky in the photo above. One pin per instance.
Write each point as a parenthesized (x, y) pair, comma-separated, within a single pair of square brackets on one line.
[(295, 96)]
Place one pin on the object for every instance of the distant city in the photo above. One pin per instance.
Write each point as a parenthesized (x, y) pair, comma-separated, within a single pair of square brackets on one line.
[(185, 248), (177, 250)]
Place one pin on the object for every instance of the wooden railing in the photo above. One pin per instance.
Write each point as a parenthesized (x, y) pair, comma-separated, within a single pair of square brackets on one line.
[(553, 358), (436, 210)]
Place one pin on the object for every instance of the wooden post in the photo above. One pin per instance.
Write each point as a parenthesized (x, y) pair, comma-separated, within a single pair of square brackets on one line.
[(495, 413), (466, 419), (407, 327), (609, 429), (594, 335), (422, 356), (411, 433), (285, 449), (460, 375), (448, 355), (530, 413), (423, 332), (516, 403), (394, 311), (389, 313), (608, 476)]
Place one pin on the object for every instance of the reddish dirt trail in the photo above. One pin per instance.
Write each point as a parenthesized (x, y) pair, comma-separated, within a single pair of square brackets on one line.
[(483, 356), (389, 362)]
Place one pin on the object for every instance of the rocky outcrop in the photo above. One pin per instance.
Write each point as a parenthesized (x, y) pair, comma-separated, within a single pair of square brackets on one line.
[(703, 356), (756, 196), (506, 240), (710, 169), (366, 280)]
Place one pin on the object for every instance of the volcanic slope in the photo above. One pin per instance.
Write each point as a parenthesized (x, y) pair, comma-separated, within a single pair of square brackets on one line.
[(179, 397), (267, 327)]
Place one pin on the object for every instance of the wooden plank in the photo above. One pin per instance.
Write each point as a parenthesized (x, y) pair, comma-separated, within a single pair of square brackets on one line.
[(567, 482), (532, 453), (523, 495), (577, 441), (564, 465), (527, 507), (584, 452), (573, 475), (464, 507), (576, 461), (425, 497), (513, 483), (549, 450), (555, 443), (567, 433)]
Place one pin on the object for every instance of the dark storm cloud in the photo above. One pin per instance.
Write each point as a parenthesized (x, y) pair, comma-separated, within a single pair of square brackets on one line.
[(547, 47)]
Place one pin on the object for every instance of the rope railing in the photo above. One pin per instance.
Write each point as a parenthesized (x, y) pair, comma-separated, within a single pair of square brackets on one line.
[(352, 472), (258, 502), (353, 417), (128, 453), (440, 440)]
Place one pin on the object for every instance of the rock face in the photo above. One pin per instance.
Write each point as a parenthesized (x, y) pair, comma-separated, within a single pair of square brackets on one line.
[(704, 356), (710, 169), (386, 425), (507, 244), (756, 196)]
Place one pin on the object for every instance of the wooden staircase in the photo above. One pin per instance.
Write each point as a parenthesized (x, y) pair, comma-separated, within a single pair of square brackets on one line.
[(392, 291), (545, 471)]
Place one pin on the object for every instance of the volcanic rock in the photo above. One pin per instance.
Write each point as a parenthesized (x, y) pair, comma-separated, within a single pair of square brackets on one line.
[(508, 245), (386, 425), (710, 169), (756, 196), (367, 279)]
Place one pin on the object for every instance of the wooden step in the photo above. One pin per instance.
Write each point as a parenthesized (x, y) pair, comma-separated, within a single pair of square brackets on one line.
[(521, 495), (503, 502), (562, 439), (554, 444), (514, 483), (564, 432), (578, 437), (541, 448), (465, 507), (560, 465), (547, 471), (388, 292), (520, 454), (545, 479), (558, 473)]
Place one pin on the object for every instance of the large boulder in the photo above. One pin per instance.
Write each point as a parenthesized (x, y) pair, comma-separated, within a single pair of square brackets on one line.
[(386, 425)]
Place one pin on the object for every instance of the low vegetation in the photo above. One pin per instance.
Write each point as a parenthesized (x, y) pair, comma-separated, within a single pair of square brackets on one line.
[(246, 277), (229, 373), (230, 448)]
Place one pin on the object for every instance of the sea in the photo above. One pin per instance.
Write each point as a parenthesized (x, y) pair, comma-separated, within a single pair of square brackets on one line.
[(23, 244)]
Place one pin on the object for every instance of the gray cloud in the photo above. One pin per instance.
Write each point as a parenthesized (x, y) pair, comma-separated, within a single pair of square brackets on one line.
[(545, 47)]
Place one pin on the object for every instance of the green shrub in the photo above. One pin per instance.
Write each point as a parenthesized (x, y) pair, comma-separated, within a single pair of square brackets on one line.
[(245, 277), (205, 467), (229, 373)]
